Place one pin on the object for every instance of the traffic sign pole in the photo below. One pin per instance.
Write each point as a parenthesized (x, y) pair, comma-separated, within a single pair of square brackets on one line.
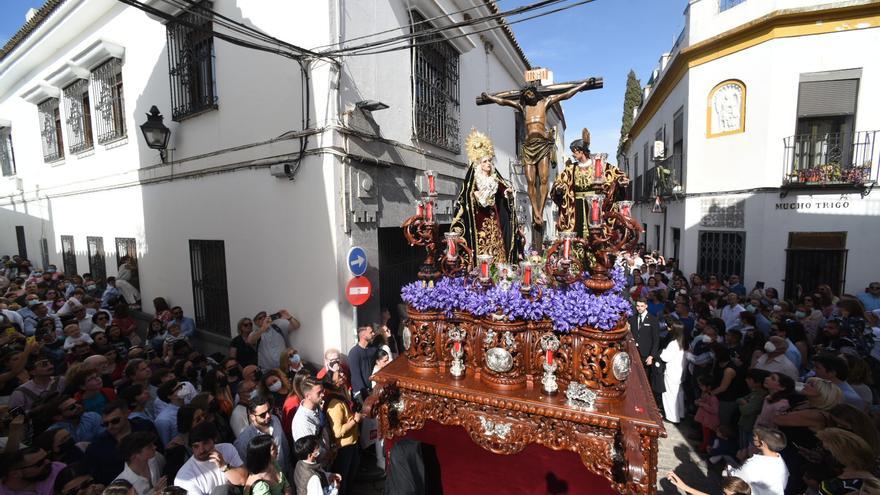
[(357, 265)]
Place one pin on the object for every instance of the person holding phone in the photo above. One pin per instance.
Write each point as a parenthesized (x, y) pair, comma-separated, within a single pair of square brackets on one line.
[(272, 333)]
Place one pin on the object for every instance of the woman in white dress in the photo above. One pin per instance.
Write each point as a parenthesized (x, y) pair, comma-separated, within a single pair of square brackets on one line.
[(673, 356)]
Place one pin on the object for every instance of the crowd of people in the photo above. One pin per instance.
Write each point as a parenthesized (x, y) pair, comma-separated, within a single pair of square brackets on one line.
[(90, 404), (782, 391)]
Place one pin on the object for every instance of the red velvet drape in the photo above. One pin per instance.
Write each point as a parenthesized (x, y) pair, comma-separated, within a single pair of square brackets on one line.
[(465, 468)]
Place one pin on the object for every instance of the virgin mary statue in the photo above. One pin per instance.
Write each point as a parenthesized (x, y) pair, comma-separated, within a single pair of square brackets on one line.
[(485, 210)]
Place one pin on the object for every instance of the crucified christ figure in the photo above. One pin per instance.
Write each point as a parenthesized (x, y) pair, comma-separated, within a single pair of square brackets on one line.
[(534, 101)]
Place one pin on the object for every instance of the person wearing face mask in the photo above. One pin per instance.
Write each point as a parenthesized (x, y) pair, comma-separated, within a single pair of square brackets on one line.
[(28, 470), (275, 388), (292, 362), (247, 393), (774, 360), (174, 394)]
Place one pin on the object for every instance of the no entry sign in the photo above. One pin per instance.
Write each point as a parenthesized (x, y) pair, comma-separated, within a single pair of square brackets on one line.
[(358, 290)]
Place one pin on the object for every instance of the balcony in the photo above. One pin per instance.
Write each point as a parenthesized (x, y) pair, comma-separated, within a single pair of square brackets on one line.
[(832, 160), (663, 179)]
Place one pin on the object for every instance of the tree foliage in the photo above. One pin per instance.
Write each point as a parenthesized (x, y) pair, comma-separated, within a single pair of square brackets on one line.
[(632, 98)]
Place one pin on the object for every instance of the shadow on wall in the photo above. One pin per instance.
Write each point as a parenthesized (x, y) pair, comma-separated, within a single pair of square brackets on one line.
[(230, 242)]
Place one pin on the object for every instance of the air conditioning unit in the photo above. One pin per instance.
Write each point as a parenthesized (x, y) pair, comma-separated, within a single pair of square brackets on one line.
[(659, 150)]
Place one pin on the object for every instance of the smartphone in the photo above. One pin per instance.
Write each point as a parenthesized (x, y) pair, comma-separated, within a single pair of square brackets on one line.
[(759, 285), (275, 316)]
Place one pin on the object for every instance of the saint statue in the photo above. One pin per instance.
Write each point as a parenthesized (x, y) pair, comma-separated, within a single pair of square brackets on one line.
[(485, 210), (575, 184)]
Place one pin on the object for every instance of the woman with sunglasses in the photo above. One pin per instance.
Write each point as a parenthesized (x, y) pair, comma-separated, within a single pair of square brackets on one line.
[(240, 349)]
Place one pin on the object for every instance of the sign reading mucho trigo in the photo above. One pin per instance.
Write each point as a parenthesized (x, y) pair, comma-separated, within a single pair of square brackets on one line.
[(814, 205)]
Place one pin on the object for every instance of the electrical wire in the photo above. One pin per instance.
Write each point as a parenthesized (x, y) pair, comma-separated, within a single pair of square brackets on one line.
[(412, 24), (447, 38), (455, 25), (232, 24)]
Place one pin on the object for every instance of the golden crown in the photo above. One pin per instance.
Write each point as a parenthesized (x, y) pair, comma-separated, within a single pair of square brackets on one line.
[(478, 145)]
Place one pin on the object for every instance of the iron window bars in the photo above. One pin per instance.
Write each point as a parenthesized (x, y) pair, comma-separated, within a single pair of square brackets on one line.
[(435, 88), (110, 104), (79, 116), (50, 130), (7, 158), (191, 64)]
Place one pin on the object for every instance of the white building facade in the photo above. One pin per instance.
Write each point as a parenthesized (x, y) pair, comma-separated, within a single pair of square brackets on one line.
[(275, 166), (767, 119)]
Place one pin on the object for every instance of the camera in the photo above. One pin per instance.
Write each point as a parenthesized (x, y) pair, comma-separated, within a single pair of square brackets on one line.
[(275, 316)]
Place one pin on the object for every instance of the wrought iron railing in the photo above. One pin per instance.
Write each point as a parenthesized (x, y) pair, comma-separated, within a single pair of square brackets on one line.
[(831, 159), (79, 116), (660, 180), (436, 89), (7, 157), (50, 130), (110, 104)]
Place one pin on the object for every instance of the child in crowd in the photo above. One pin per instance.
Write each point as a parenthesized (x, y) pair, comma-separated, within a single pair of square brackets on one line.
[(74, 335), (725, 445), (707, 412)]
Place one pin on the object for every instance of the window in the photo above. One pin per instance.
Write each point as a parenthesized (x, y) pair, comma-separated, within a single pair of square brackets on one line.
[(97, 264), (728, 4), (826, 115), (676, 241), (210, 296), (657, 242), (44, 252), (22, 242), (110, 105), (721, 253), (191, 63), (79, 116), (127, 246), (678, 146), (50, 130), (68, 255), (435, 88), (813, 259), (7, 157)]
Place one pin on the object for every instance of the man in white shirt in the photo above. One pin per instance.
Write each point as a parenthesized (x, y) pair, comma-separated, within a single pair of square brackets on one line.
[(774, 360), (730, 313), (309, 418), (765, 472), (143, 465), (210, 464)]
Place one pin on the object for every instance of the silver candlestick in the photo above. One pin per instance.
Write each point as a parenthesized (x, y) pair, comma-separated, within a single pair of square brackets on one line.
[(550, 344), (457, 335)]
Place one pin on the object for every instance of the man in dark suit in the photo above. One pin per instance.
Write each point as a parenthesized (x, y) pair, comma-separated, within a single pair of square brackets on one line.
[(646, 332)]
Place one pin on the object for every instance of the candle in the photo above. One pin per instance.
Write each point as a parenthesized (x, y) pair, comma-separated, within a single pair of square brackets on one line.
[(599, 171), (420, 209), (429, 211), (430, 175), (457, 346), (451, 241), (526, 273), (566, 248), (596, 210), (484, 260), (549, 356)]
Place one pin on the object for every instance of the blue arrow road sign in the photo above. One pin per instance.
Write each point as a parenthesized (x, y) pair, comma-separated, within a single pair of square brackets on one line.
[(357, 261)]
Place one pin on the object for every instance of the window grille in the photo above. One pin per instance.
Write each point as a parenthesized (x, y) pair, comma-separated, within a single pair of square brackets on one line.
[(50, 130), (191, 63), (127, 246), (7, 157), (435, 88), (110, 104), (68, 255), (44, 252), (722, 253), (97, 263), (210, 295), (79, 116)]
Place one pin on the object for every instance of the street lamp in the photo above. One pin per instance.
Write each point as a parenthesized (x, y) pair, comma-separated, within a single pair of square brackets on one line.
[(155, 133)]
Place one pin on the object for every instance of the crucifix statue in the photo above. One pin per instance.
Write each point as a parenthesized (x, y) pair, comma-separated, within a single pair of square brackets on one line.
[(534, 101)]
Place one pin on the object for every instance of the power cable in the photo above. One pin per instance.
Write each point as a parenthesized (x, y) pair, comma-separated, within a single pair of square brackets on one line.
[(455, 25), (430, 42), (412, 24)]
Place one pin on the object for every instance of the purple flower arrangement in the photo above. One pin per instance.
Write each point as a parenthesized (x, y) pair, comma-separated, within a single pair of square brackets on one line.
[(568, 307)]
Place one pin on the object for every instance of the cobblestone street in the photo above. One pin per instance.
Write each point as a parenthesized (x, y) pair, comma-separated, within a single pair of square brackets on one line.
[(678, 454)]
